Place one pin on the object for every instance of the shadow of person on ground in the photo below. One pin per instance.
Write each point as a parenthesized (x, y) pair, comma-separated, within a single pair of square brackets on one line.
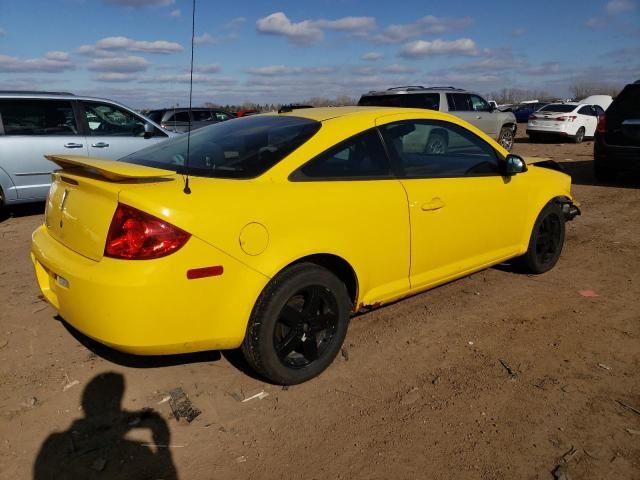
[(95, 446)]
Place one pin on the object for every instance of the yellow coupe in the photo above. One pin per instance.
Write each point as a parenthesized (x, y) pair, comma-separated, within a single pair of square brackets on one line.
[(267, 232)]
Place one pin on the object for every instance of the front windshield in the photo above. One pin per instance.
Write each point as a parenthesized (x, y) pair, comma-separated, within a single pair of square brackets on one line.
[(239, 148)]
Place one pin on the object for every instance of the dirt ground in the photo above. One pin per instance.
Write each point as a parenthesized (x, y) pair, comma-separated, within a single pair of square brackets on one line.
[(496, 376)]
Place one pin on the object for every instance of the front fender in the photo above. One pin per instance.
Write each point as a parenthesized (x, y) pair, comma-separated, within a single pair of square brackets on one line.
[(8, 193)]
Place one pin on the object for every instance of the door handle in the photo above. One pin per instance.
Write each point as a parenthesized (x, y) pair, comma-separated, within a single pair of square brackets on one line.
[(100, 145), (434, 204), (73, 145)]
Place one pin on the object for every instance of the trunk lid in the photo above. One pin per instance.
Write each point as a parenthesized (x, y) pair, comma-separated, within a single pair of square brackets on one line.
[(84, 196)]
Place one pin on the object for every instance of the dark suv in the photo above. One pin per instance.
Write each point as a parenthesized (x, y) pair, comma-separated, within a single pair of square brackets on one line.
[(617, 139), (178, 119), (469, 106)]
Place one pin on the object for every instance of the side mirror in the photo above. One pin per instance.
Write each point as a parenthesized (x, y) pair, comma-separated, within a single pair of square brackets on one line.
[(149, 130), (514, 164)]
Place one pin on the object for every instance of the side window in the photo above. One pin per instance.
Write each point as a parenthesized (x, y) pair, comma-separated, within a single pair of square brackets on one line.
[(201, 116), (434, 149), (221, 116), (479, 104), (459, 102), (599, 110), (359, 157), (586, 110), (105, 119), (179, 117), (38, 117)]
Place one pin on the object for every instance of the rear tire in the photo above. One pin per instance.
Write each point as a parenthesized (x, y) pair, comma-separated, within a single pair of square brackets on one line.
[(505, 139), (546, 241), (579, 136), (298, 324)]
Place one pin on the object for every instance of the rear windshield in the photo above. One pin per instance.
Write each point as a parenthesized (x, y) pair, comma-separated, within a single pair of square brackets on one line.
[(239, 148), (627, 102), (430, 101), (558, 107)]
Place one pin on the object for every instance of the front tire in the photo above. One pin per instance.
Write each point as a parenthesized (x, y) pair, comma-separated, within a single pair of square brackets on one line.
[(506, 138), (546, 241), (298, 324)]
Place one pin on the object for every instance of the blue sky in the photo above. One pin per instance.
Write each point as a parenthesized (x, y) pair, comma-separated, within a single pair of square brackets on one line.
[(138, 51)]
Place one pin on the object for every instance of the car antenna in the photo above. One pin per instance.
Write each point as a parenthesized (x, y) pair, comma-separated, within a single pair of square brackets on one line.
[(187, 190)]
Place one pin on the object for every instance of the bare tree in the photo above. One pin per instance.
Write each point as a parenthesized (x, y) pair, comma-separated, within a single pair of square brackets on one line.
[(582, 88)]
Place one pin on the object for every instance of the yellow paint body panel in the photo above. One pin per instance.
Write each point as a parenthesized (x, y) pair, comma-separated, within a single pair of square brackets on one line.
[(399, 236)]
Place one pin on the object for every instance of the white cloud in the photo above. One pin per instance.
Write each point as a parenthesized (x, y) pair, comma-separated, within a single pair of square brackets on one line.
[(311, 31), (273, 70), (548, 68), (115, 77), (109, 45), (235, 23), (398, 68), (372, 56), (348, 24), (186, 78), (175, 13), (211, 68), (129, 64), (429, 25), (204, 39), (52, 62), (595, 22), (615, 7), (140, 3), (422, 48)]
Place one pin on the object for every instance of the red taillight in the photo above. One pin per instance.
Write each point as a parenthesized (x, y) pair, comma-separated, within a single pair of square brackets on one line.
[(569, 118), (532, 117), (602, 123), (136, 235)]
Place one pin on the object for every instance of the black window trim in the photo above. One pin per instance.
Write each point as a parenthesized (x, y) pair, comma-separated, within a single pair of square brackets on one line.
[(74, 109), (298, 175), (401, 174)]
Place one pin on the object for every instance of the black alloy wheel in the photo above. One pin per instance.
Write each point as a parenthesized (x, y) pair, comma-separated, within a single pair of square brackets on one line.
[(306, 326), (546, 241), (298, 324)]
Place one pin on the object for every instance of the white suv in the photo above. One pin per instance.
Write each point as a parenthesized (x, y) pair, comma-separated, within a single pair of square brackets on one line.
[(469, 106), (35, 124)]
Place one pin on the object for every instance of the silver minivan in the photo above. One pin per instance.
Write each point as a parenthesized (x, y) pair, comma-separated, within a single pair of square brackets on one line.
[(35, 124)]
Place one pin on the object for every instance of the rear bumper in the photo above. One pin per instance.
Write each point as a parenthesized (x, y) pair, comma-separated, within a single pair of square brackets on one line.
[(612, 156), (149, 307)]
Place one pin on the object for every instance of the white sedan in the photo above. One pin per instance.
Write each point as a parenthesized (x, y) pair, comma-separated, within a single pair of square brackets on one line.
[(573, 120)]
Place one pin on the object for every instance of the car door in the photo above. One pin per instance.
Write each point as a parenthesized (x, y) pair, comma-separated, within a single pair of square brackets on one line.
[(32, 129), (462, 105), (589, 118), (372, 227), (114, 132), (485, 118), (464, 214)]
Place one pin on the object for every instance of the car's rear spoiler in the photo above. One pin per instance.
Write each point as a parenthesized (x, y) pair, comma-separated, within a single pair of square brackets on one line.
[(109, 169)]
